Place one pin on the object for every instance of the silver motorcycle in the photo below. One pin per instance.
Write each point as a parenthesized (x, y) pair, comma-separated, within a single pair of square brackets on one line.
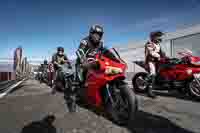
[(67, 79)]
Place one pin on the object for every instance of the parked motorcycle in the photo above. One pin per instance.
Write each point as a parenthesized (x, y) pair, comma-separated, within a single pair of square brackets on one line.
[(181, 74), (105, 88), (44, 77), (67, 79), (39, 76)]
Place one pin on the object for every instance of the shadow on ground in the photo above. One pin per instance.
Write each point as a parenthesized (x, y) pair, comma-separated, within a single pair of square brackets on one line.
[(146, 123), (149, 123), (178, 95), (172, 94), (43, 126)]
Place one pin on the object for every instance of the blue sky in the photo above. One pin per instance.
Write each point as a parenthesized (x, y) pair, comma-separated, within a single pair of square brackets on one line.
[(39, 26)]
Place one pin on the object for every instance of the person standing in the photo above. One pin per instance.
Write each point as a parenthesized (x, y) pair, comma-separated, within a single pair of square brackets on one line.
[(153, 54)]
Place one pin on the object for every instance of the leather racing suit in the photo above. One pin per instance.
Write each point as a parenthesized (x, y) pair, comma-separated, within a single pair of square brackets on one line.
[(86, 55)]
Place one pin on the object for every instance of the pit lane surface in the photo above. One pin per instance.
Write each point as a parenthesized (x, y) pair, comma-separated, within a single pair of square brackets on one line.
[(32, 101)]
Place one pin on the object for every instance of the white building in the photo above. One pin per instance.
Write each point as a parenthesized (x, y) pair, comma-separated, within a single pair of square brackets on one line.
[(172, 42)]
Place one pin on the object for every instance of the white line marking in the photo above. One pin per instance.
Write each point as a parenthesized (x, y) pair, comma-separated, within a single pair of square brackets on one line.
[(31, 94), (10, 89)]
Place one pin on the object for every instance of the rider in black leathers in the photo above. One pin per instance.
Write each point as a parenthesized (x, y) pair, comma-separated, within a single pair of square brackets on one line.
[(58, 59), (44, 69), (89, 46), (45, 66)]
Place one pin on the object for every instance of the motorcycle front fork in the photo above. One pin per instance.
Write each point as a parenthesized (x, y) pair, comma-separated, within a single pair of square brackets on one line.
[(70, 99), (70, 92), (108, 96)]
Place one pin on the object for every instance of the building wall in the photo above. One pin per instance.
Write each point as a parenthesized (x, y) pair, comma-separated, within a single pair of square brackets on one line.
[(186, 38), (166, 47), (191, 42), (135, 52)]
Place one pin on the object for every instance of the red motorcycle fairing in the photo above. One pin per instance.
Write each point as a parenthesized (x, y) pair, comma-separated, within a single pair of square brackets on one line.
[(176, 72), (179, 72), (194, 59), (97, 79)]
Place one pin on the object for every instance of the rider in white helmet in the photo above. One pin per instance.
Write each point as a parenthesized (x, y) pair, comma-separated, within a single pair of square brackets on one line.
[(153, 53)]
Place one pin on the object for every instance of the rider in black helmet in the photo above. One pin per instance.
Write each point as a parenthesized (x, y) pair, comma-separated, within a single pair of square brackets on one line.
[(59, 58), (45, 62), (92, 41), (44, 65), (44, 70), (89, 46)]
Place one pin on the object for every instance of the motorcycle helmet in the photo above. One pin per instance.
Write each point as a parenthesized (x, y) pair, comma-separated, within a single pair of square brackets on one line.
[(96, 33), (45, 62), (60, 51), (156, 36)]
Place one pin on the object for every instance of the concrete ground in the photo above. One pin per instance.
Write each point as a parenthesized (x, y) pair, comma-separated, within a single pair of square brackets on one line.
[(32, 101)]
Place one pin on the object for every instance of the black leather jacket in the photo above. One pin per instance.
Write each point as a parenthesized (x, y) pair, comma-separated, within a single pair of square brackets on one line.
[(88, 49), (58, 59)]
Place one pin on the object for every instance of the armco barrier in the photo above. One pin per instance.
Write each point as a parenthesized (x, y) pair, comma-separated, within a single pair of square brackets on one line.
[(6, 88), (5, 84)]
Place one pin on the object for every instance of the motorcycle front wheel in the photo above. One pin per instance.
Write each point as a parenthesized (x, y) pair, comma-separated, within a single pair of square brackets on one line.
[(122, 104), (194, 89)]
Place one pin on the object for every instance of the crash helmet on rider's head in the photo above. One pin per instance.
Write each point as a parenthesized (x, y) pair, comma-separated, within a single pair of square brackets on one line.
[(96, 33), (156, 36), (60, 51), (45, 62)]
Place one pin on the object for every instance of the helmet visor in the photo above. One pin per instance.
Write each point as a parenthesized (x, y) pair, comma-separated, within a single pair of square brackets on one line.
[(158, 39), (96, 38), (60, 52)]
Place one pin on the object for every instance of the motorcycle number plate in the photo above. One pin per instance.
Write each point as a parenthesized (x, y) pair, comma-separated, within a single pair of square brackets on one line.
[(197, 75)]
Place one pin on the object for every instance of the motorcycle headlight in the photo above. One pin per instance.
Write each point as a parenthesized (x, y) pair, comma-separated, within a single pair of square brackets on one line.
[(113, 70)]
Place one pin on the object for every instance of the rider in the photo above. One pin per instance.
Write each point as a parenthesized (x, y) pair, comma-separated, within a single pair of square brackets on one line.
[(58, 59), (45, 62), (89, 46), (45, 65), (153, 53)]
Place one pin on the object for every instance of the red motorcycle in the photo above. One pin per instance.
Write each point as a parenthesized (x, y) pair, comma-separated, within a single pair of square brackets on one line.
[(182, 74), (105, 88)]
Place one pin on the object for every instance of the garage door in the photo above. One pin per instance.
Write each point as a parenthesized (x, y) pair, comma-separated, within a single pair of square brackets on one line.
[(191, 42)]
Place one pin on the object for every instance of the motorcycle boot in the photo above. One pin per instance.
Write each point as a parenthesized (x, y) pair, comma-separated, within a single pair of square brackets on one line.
[(151, 87)]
